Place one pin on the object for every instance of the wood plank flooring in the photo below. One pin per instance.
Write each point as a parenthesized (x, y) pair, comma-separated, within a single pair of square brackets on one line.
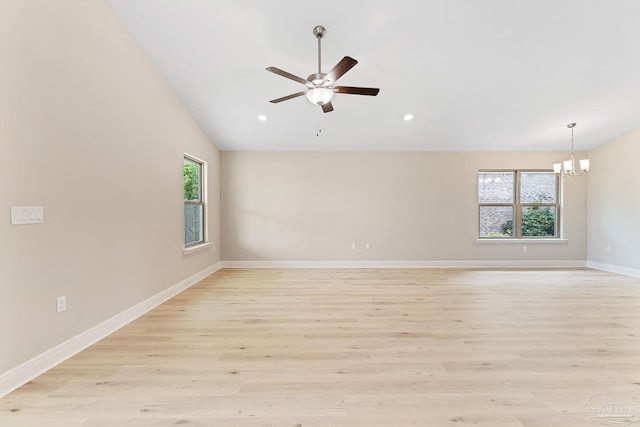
[(355, 348)]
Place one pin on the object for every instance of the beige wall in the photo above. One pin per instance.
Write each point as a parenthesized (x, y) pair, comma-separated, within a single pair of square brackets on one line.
[(614, 202), (409, 206), (92, 132)]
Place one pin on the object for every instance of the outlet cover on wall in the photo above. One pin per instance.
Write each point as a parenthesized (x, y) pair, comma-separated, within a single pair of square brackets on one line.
[(61, 304), (21, 215)]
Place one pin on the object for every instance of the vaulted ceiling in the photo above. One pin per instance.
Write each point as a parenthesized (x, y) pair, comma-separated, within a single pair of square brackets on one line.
[(486, 75)]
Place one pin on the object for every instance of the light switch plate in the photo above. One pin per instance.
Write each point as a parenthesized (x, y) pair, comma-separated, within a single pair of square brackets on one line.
[(21, 215)]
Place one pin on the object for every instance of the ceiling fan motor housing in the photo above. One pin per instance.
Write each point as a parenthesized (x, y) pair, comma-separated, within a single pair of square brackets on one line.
[(316, 78)]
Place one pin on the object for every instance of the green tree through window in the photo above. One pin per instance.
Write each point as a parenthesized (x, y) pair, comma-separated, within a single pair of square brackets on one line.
[(191, 174), (536, 222)]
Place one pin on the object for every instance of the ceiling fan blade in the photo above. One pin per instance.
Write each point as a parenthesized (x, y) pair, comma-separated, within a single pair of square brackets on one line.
[(284, 98), (283, 73), (328, 107), (371, 91), (341, 67)]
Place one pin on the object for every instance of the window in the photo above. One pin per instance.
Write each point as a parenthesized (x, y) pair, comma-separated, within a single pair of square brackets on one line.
[(518, 204), (194, 201)]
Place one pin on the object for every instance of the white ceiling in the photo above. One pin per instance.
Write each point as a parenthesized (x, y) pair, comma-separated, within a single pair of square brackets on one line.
[(486, 75)]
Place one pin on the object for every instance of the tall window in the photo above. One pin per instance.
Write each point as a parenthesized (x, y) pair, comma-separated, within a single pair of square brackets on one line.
[(518, 204), (194, 206)]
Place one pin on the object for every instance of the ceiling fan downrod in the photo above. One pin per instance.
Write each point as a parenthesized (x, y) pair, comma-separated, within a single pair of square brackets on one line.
[(319, 32)]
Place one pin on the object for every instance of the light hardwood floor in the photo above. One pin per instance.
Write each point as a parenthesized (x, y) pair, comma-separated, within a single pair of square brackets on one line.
[(356, 348)]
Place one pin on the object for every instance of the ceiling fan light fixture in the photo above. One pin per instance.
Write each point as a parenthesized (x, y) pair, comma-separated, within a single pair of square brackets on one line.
[(319, 95)]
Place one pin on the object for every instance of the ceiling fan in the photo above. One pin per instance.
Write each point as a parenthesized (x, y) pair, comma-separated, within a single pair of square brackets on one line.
[(321, 86)]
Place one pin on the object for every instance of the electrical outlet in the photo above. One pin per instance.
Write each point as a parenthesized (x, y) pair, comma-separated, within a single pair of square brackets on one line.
[(353, 246), (61, 304), (367, 246), (525, 249), (608, 248)]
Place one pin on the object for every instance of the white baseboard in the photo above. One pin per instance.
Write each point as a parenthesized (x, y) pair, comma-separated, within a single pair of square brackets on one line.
[(30, 369), (407, 264), (626, 271)]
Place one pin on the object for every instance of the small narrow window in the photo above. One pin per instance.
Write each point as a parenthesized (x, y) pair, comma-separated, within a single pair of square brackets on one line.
[(518, 204), (194, 204)]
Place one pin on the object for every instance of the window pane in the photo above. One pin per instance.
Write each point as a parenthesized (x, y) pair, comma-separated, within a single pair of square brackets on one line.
[(496, 221), (192, 224), (495, 187), (539, 221), (537, 187), (191, 173)]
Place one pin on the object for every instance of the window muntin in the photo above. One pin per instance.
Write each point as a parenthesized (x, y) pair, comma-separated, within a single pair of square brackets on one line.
[(194, 206), (518, 204)]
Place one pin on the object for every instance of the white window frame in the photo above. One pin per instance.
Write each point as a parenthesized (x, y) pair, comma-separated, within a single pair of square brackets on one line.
[(203, 202), (518, 205)]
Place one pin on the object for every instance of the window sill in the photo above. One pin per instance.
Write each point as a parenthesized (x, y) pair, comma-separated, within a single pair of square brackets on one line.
[(196, 248), (521, 241)]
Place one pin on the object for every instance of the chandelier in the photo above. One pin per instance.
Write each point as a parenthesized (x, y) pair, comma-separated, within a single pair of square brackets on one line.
[(568, 167)]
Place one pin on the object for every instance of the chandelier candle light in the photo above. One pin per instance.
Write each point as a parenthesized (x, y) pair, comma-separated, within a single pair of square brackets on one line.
[(568, 167)]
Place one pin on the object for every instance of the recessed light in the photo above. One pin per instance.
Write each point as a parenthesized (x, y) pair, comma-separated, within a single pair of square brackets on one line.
[(262, 117), (408, 117)]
